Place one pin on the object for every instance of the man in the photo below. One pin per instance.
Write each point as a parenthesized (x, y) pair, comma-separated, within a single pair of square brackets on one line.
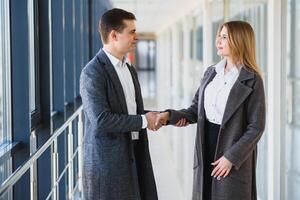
[(117, 164)]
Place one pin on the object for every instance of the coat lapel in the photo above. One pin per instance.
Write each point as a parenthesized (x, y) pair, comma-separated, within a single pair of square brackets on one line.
[(206, 79), (102, 57), (201, 112), (238, 94)]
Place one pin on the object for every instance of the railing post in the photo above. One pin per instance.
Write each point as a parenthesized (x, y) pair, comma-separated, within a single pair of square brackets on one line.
[(80, 150), (70, 160), (33, 168), (54, 170)]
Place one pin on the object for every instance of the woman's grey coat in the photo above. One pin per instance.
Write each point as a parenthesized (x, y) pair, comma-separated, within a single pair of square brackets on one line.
[(110, 169), (242, 126)]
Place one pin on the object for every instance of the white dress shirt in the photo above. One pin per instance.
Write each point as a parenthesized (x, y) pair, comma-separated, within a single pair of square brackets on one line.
[(217, 91), (128, 87)]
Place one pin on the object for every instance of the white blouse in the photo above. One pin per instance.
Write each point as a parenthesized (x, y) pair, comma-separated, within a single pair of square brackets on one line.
[(217, 91)]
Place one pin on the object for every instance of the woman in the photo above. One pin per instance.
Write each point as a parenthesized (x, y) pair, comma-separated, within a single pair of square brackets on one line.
[(229, 109)]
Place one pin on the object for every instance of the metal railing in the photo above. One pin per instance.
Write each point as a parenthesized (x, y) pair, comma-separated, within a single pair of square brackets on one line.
[(35, 154)]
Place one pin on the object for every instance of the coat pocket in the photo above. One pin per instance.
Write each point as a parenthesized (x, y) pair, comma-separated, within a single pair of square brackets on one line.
[(196, 159), (196, 162), (107, 142)]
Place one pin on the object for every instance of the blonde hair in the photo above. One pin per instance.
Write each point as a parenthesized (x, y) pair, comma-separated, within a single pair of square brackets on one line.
[(241, 41)]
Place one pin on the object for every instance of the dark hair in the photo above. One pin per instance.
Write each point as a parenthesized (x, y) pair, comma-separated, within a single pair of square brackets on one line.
[(113, 20)]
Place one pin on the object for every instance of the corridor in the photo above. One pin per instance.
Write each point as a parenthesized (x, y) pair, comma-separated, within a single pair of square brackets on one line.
[(46, 44)]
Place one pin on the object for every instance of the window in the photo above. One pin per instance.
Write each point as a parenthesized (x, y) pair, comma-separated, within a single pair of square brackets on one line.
[(292, 134), (215, 26), (5, 103), (4, 73), (191, 44), (199, 42), (256, 15)]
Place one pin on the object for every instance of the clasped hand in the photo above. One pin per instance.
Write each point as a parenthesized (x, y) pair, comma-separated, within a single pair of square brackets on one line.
[(156, 120)]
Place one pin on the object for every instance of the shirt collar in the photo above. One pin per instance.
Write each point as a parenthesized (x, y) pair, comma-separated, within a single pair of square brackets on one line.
[(115, 61), (221, 65)]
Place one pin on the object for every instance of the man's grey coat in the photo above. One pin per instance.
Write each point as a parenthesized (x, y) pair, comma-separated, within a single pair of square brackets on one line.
[(110, 169), (242, 126)]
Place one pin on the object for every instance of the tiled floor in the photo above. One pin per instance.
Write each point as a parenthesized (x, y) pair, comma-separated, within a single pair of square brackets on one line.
[(167, 182)]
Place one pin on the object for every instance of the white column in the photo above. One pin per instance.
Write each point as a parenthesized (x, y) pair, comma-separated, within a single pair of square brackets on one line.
[(163, 70), (163, 75), (207, 33), (187, 60), (275, 99), (188, 90), (176, 76)]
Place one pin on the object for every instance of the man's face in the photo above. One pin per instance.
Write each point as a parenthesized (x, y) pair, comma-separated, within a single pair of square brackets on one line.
[(126, 40)]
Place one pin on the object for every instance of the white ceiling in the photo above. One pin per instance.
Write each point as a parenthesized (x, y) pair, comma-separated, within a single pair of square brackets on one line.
[(154, 15)]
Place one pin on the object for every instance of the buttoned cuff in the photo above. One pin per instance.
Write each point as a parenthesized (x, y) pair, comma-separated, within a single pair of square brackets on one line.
[(145, 122)]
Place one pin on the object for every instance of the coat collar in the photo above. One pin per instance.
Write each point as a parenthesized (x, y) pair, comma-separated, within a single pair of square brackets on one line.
[(108, 66), (245, 74), (115, 61), (238, 94)]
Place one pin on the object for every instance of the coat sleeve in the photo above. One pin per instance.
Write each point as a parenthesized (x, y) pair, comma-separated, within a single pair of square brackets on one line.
[(93, 92), (190, 113), (256, 117)]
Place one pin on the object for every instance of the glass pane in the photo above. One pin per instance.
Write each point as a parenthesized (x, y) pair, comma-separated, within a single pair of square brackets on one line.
[(256, 14), (5, 102), (2, 71), (1, 92), (142, 55), (296, 100), (5, 166), (217, 19), (199, 43), (292, 160), (191, 44), (292, 135)]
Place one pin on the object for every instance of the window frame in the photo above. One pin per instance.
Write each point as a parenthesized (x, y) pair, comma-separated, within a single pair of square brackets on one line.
[(34, 64), (6, 79)]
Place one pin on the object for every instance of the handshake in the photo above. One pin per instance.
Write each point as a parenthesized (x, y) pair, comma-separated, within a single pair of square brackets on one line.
[(156, 120)]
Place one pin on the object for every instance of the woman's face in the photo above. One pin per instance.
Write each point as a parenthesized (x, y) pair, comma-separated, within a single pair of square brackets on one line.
[(222, 43)]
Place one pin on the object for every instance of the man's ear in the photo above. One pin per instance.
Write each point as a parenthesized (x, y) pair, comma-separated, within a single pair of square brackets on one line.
[(113, 35)]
